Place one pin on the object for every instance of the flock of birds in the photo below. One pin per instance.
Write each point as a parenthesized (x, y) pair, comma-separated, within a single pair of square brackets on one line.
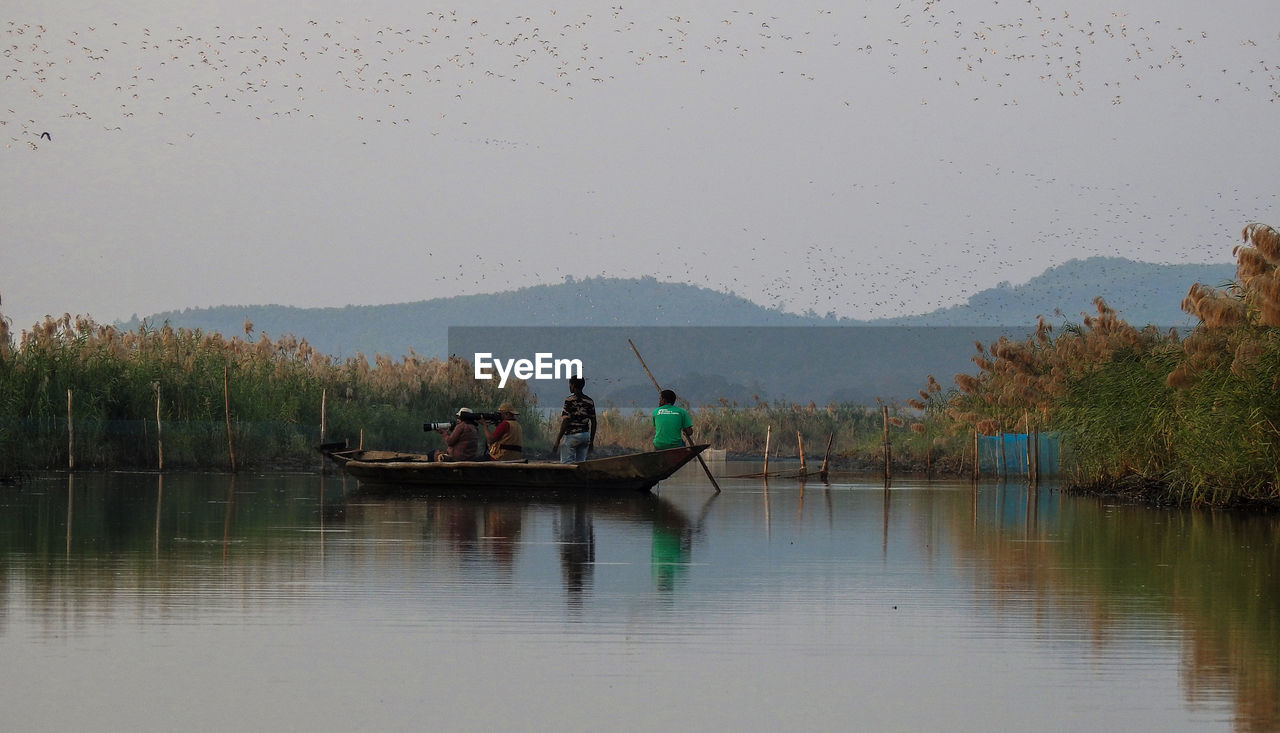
[(112, 74), (428, 73)]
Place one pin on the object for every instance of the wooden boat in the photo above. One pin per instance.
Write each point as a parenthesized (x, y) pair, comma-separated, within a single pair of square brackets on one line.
[(630, 472)]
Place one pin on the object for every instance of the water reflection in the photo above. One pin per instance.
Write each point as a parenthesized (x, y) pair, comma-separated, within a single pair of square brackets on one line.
[(485, 538), (1090, 597), (577, 542)]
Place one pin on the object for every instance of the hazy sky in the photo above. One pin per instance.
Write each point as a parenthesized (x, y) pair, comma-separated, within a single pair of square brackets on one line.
[(866, 158)]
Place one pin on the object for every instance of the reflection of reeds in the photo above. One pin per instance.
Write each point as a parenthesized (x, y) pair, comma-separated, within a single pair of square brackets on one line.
[(1111, 569)]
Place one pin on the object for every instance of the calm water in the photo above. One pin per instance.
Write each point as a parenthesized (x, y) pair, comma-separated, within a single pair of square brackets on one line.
[(198, 602)]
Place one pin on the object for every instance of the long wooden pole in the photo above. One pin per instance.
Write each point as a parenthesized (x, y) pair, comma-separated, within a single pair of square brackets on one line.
[(800, 449), (822, 473), (767, 431), (1002, 461), (159, 438), (884, 418), (975, 455), (1026, 428), (1035, 457), (323, 396), (686, 438), (226, 406), (71, 443)]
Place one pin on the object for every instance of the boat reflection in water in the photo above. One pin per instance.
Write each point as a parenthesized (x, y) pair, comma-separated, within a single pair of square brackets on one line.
[(482, 538)]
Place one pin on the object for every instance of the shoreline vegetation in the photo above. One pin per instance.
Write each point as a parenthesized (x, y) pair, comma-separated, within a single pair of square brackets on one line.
[(78, 394), (1154, 416)]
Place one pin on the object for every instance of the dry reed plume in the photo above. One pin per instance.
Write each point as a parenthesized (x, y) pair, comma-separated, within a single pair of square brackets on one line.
[(1195, 415)]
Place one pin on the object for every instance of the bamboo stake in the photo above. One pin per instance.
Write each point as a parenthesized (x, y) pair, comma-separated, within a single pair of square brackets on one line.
[(975, 455), (323, 395), (768, 429), (226, 406), (884, 417), (800, 448), (71, 442), (1002, 462), (822, 472), (1026, 426), (1035, 455), (159, 438)]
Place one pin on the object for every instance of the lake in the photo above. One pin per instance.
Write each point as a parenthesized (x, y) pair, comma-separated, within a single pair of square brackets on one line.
[(193, 602)]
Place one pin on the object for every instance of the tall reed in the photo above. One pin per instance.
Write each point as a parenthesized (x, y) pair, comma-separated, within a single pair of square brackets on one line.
[(1190, 420), (274, 392)]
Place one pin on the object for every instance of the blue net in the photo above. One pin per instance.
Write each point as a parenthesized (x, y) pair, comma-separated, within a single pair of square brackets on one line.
[(1008, 454)]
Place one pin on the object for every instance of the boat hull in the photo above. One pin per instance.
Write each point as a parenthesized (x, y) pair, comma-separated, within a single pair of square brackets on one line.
[(630, 472)]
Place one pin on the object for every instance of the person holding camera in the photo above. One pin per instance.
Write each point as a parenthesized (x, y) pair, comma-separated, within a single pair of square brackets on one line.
[(577, 424), (461, 440), (505, 442)]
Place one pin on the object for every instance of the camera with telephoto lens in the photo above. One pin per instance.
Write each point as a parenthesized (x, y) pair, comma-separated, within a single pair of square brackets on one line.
[(469, 417)]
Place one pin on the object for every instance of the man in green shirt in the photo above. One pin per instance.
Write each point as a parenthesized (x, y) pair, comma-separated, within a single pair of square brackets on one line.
[(671, 423)]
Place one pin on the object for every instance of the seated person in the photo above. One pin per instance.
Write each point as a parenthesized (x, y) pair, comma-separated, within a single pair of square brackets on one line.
[(671, 422), (505, 442), (461, 441)]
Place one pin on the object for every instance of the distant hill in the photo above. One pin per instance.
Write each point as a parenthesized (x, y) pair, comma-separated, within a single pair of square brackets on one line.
[(422, 326), (1142, 292)]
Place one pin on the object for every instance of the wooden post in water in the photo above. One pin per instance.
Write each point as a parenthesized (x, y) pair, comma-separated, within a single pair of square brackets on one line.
[(159, 438), (800, 448), (1002, 464), (226, 406), (323, 396), (884, 417), (1035, 457), (975, 455), (822, 472), (767, 431), (71, 442), (1026, 426)]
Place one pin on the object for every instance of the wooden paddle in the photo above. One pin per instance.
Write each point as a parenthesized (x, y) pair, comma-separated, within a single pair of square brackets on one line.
[(686, 438)]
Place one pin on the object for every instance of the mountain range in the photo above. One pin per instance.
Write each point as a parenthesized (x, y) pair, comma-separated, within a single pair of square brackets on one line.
[(1143, 293)]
